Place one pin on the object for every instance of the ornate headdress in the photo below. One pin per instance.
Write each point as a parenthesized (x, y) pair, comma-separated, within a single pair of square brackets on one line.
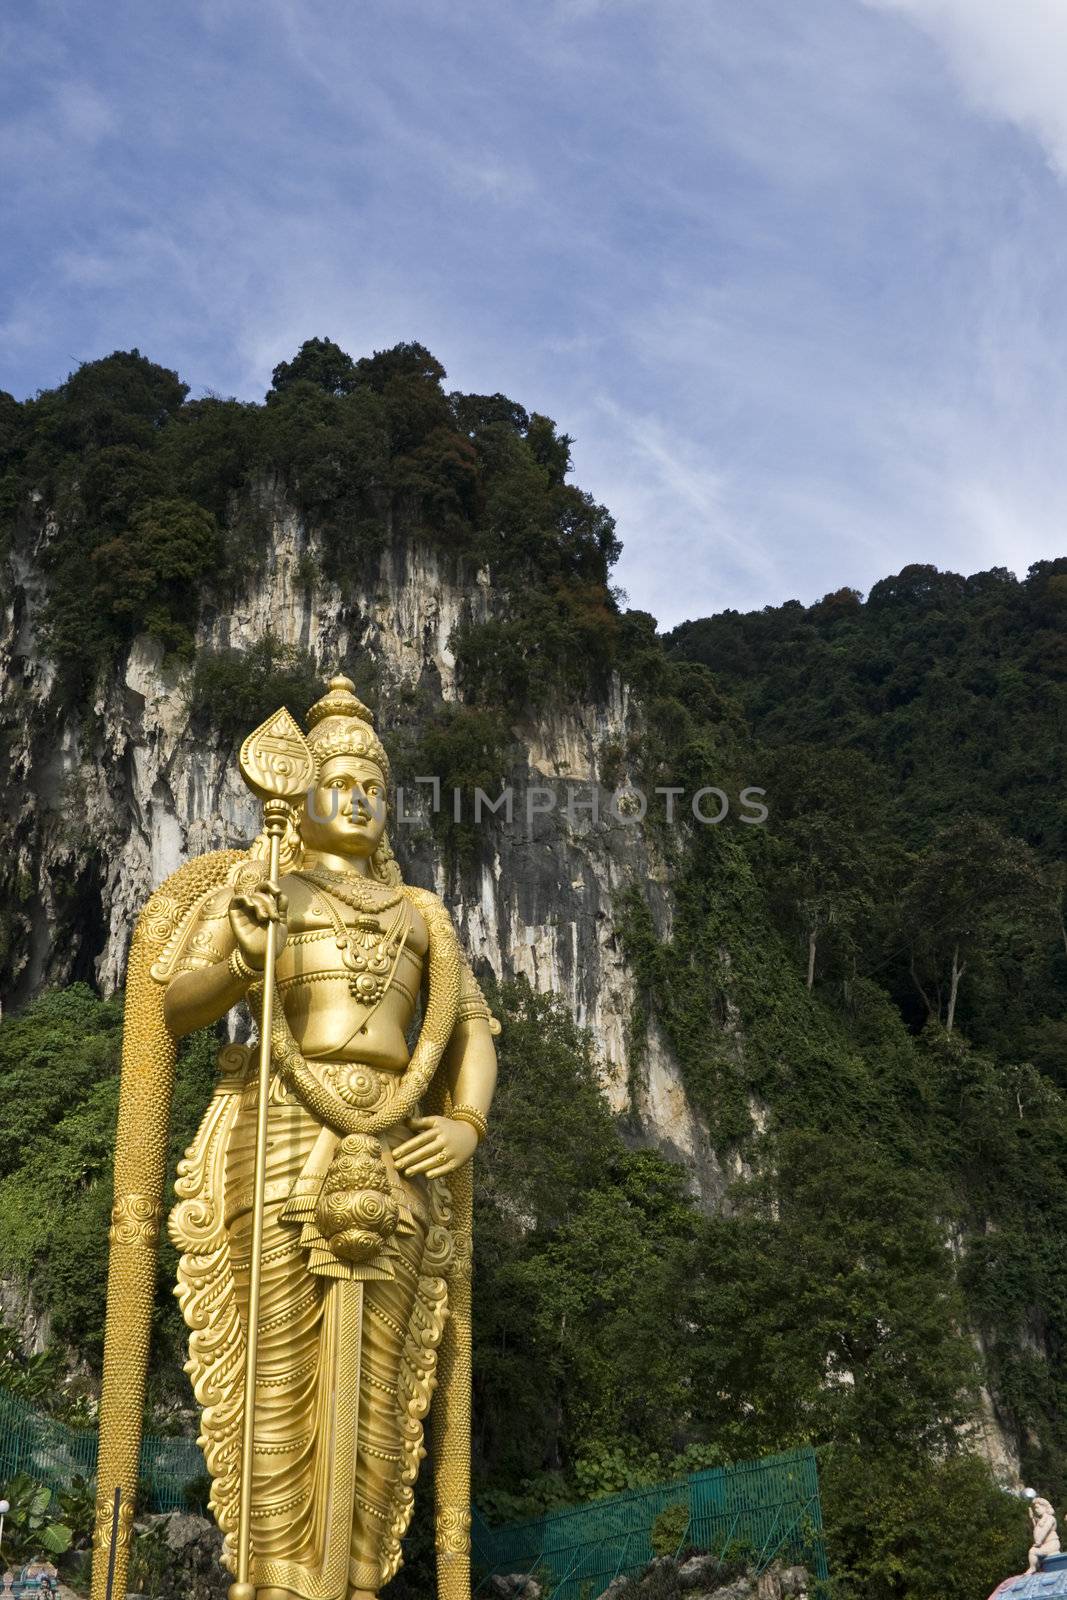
[(340, 725)]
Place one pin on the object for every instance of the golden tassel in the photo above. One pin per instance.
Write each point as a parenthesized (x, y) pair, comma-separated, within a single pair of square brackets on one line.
[(149, 1052), (450, 1415)]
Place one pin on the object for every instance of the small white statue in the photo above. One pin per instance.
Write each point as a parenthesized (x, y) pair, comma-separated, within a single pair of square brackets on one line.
[(1043, 1518)]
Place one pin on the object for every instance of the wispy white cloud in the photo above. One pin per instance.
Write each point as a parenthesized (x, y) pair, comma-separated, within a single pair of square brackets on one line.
[(788, 273), (664, 480), (1010, 58)]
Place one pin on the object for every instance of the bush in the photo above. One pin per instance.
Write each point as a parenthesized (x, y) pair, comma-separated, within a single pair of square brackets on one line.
[(467, 749), (554, 644), (233, 691), (669, 1529), (150, 577), (151, 1559), (196, 1493), (32, 1526), (902, 1528), (59, 1059)]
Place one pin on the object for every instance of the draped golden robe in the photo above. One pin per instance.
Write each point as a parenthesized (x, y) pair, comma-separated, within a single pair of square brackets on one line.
[(347, 1355)]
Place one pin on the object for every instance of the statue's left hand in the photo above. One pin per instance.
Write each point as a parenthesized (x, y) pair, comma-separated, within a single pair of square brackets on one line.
[(439, 1147)]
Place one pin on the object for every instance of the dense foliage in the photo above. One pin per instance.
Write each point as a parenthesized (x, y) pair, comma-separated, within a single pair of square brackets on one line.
[(59, 1081), (623, 1336), (231, 691), (865, 998), (142, 504), (914, 755), (956, 688)]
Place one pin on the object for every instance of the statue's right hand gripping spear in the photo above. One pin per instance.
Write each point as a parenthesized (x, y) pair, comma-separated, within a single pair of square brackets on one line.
[(277, 764)]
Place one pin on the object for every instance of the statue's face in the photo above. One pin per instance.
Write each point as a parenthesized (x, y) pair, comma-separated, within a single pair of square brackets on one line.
[(345, 812)]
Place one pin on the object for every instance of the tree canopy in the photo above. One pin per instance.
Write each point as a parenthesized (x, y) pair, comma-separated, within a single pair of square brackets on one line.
[(155, 508)]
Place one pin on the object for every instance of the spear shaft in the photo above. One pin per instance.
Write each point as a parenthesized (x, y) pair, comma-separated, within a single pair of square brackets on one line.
[(275, 829), (277, 764)]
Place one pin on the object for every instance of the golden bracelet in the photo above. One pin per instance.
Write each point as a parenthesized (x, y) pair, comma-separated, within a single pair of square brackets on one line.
[(473, 1117), (242, 970)]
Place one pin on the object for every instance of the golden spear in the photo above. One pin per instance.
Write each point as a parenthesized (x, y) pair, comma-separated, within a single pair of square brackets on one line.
[(277, 765)]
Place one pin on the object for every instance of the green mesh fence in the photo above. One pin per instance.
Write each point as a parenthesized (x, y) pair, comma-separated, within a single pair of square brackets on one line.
[(56, 1454), (760, 1511)]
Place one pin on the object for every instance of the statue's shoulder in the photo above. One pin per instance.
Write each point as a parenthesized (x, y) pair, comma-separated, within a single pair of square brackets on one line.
[(428, 917), (472, 1002), (431, 907), (176, 921), (424, 899)]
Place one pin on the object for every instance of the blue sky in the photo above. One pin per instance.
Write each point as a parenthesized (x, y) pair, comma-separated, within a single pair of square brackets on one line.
[(793, 272)]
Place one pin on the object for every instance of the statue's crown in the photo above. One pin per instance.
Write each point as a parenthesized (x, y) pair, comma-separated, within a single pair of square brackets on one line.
[(340, 725)]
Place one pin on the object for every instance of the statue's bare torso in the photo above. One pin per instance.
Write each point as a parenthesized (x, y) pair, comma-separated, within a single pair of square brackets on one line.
[(327, 1019)]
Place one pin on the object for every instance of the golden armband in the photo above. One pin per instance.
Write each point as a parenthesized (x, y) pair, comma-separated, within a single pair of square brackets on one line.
[(473, 1117)]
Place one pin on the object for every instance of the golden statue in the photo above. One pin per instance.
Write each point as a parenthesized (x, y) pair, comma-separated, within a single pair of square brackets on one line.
[(325, 1226)]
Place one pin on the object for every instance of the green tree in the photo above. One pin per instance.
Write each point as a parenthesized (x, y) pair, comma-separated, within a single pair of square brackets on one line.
[(971, 879), (232, 691), (839, 1273), (149, 577), (59, 1067), (122, 399), (319, 362), (919, 1529), (831, 848)]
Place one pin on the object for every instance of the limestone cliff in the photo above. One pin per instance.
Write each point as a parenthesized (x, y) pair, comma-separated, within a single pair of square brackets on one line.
[(101, 806)]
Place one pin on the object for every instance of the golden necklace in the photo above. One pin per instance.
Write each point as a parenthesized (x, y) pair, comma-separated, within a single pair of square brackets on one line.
[(362, 894), (368, 954)]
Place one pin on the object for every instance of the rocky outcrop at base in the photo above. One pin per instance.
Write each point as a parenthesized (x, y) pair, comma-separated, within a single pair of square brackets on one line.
[(177, 1556), (695, 1577)]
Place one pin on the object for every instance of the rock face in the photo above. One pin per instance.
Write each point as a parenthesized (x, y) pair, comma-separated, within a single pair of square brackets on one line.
[(96, 809), (177, 1556), (699, 1577), (102, 807)]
